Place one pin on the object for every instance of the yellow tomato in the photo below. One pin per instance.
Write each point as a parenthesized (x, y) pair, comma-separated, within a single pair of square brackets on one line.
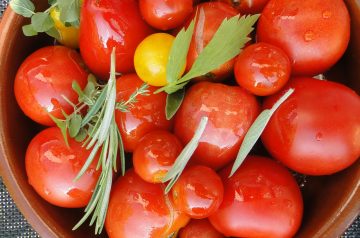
[(69, 35), (151, 57)]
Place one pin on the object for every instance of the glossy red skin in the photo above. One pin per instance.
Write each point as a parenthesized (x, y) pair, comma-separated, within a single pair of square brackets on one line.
[(148, 113), (199, 228), (305, 30), (51, 167), (261, 199), (231, 111), (198, 192), (247, 6), (316, 131), (210, 16), (165, 15), (262, 69), (155, 154), (138, 209), (43, 78), (106, 24)]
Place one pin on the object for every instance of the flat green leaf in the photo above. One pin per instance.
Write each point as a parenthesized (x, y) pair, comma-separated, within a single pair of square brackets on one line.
[(173, 103), (256, 130), (28, 30), (90, 87), (75, 125), (62, 124), (42, 22), (53, 32), (69, 10), (81, 136), (24, 8)]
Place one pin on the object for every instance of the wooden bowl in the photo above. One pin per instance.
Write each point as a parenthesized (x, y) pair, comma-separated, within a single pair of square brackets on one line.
[(331, 202)]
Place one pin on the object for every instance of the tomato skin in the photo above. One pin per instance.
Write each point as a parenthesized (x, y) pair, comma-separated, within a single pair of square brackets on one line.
[(165, 15), (316, 131), (210, 16), (261, 199), (43, 78), (106, 24), (199, 228), (148, 113), (198, 192), (231, 111), (155, 154), (262, 69), (247, 6), (51, 167), (133, 200), (305, 30)]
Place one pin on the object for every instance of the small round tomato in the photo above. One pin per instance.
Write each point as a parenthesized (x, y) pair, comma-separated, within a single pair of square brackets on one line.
[(151, 58), (69, 35), (247, 6), (155, 154), (261, 199), (44, 78), (138, 209), (199, 228), (209, 17), (165, 15), (316, 130), (231, 111), (305, 30), (106, 24), (262, 69), (51, 167), (147, 114), (198, 192)]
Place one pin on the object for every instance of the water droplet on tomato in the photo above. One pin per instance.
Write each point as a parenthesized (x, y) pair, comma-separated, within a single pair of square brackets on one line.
[(309, 36), (326, 14), (319, 136)]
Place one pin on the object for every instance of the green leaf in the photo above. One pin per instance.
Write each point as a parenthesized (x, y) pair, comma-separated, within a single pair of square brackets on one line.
[(24, 8), (42, 22), (69, 10), (28, 30), (80, 137), (52, 2), (62, 124), (75, 125), (256, 130), (173, 102), (53, 32), (90, 87)]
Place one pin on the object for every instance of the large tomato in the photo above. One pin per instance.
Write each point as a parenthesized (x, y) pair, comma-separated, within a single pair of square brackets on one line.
[(247, 6), (138, 209), (231, 111), (314, 34), (51, 167), (199, 228), (316, 131), (44, 78), (106, 24), (261, 199)]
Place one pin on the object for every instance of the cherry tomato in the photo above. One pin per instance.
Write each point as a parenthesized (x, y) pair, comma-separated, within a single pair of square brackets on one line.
[(199, 228), (138, 209), (51, 167), (261, 199), (231, 111), (106, 24), (263, 69), (247, 6), (209, 17), (148, 113), (316, 131), (151, 58), (165, 15), (69, 35), (155, 154), (44, 78), (198, 192), (305, 30)]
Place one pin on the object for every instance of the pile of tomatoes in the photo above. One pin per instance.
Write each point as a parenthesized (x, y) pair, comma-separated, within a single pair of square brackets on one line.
[(314, 132)]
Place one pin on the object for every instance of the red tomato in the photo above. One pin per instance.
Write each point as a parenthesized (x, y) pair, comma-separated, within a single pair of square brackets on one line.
[(199, 228), (51, 167), (165, 15), (263, 69), (231, 111), (148, 113), (306, 30), (44, 78), (138, 209), (261, 199), (209, 17), (155, 154), (247, 6), (198, 192), (106, 24), (316, 131)]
